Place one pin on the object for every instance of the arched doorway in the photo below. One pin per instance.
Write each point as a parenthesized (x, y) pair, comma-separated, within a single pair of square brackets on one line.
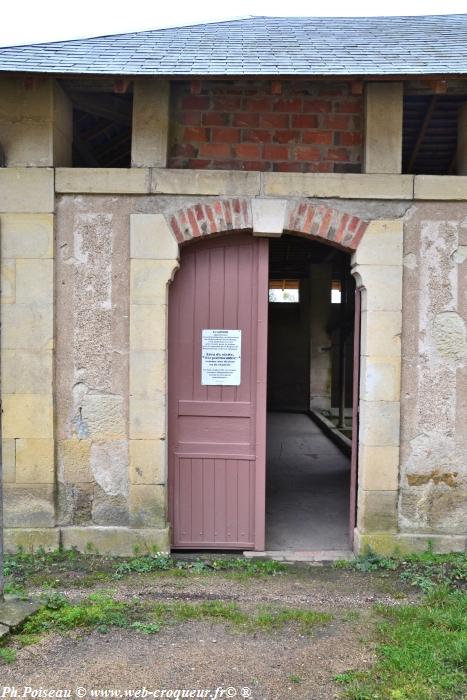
[(217, 420), (309, 396)]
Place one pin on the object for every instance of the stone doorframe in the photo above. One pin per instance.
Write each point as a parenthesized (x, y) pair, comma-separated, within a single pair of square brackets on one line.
[(376, 250)]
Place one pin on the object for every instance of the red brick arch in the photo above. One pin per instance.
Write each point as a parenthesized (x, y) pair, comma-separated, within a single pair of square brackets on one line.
[(317, 221)]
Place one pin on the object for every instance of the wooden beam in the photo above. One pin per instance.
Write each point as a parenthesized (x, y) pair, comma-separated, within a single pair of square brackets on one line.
[(422, 132)]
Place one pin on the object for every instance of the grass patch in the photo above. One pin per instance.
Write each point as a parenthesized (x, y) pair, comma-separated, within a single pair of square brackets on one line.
[(265, 618), (7, 655), (65, 568), (425, 571), (422, 652), (97, 610), (162, 561)]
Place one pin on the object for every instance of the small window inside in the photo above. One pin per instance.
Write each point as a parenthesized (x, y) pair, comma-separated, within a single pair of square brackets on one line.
[(336, 292), (284, 291)]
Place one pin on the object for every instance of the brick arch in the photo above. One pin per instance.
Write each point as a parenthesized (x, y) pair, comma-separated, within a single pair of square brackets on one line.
[(317, 221), (214, 216)]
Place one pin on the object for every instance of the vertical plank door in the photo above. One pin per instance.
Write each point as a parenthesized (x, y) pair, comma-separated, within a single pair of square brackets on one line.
[(217, 433)]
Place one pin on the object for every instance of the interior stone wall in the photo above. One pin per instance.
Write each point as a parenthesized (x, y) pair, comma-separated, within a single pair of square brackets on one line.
[(433, 477)]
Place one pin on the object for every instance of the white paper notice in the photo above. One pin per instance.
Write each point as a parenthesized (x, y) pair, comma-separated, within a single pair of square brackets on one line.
[(221, 357)]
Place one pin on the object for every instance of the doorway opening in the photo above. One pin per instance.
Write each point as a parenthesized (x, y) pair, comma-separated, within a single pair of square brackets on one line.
[(310, 396)]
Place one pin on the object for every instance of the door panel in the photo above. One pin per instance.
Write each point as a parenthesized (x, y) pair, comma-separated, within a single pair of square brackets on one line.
[(217, 433)]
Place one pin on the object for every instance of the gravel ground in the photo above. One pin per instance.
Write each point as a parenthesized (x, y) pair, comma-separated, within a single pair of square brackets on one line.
[(207, 655)]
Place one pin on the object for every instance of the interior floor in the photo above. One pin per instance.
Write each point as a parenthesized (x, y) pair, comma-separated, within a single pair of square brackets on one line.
[(307, 487)]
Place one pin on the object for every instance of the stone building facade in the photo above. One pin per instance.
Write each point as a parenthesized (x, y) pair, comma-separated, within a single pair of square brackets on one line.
[(88, 256)]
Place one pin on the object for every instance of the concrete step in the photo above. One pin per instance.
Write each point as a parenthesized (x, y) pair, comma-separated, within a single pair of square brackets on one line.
[(299, 555)]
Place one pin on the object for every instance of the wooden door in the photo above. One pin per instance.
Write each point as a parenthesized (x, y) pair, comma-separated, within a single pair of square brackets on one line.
[(355, 414), (217, 433)]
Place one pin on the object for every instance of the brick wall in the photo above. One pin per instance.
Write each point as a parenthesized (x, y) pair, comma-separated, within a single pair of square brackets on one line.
[(241, 125)]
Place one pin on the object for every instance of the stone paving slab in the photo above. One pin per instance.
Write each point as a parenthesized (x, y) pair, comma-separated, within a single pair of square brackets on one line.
[(302, 555), (4, 631), (14, 612)]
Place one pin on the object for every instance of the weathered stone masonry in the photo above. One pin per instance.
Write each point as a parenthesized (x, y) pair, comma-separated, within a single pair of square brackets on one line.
[(87, 257)]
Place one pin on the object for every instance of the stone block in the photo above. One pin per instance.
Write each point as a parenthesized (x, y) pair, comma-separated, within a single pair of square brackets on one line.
[(149, 280), (147, 373), (8, 281), (444, 187), (29, 505), (383, 127), (109, 466), (103, 416), (381, 333), (148, 327), (150, 124), (345, 186), (383, 285), (147, 418), (378, 468), (35, 461), (379, 423), (109, 510), (205, 182), (433, 507), (15, 612), (34, 281), (26, 236), (380, 378), (268, 216), (8, 461), (390, 543), (26, 371), (31, 539), (27, 416), (118, 541), (377, 511), (27, 326), (26, 190), (102, 180), (75, 461), (147, 506), (74, 503), (26, 121), (381, 243), (148, 460), (151, 238)]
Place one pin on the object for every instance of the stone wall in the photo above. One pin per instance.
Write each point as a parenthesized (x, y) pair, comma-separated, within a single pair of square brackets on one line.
[(433, 478)]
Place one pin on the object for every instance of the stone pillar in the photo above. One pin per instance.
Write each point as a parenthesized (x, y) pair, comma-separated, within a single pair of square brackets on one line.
[(462, 141), (383, 128), (27, 335), (377, 266), (36, 126), (154, 260), (150, 128), (320, 342)]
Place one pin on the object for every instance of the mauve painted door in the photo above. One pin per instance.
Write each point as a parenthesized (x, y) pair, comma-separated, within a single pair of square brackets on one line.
[(217, 434)]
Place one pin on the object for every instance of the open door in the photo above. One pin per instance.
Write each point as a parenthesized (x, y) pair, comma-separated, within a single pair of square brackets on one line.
[(355, 415), (217, 394)]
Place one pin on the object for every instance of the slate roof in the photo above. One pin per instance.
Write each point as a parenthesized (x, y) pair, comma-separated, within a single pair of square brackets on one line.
[(320, 46)]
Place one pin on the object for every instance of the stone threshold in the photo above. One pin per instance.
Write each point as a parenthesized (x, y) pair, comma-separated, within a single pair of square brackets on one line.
[(300, 555)]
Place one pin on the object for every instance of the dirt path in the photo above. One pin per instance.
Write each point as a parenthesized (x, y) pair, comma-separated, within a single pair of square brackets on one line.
[(206, 655)]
